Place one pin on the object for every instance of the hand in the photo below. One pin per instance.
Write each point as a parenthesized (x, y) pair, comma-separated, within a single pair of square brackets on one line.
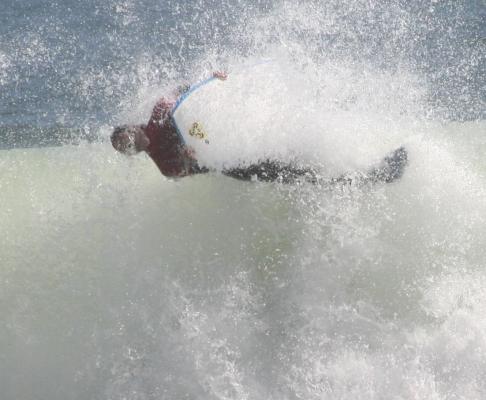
[(220, 75)]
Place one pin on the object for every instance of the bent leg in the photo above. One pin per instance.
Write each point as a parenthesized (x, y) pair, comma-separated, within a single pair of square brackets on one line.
[(389, 170), (271, 171)]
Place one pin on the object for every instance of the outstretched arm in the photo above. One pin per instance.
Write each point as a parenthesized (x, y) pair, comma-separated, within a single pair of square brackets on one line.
[(163, 107)]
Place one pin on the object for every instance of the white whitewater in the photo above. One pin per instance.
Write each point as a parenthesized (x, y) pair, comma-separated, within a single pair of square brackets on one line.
[(212, 288), (116, 283)]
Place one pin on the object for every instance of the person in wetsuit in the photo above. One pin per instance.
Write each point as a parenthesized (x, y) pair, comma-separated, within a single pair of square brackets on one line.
[(160, 140)]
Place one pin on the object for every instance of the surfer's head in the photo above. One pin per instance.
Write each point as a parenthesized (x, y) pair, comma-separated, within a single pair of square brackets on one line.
[(129, 139)]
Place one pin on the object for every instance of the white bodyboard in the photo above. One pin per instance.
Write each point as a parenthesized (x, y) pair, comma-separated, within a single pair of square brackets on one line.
[(226, 121)]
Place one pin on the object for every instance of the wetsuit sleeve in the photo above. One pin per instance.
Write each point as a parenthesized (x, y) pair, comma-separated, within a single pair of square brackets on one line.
[(161, 111), (163, 107)]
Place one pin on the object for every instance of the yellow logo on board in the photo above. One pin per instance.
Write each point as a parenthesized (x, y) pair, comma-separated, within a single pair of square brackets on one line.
[(198, 132)]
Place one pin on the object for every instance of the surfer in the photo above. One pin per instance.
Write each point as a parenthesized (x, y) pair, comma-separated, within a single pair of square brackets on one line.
[(160, 140)]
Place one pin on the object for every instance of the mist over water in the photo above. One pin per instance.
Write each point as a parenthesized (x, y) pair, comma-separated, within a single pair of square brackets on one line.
[(116, 283)]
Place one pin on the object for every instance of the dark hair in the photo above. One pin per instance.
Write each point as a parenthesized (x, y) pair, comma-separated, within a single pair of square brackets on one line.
[(118, 130)]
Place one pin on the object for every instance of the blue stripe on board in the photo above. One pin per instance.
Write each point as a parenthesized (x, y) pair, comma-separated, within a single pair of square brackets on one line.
[(181, 99), (191, 89), (196, 86)]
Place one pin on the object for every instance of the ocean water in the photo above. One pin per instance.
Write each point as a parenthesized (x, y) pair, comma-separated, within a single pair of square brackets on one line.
[(117, 283)]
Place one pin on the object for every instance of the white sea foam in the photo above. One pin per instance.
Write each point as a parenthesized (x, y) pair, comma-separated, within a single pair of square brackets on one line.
[(118, 283), (212, 288)]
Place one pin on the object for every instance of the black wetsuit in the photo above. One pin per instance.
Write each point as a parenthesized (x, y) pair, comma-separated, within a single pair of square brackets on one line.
[(389, 170)]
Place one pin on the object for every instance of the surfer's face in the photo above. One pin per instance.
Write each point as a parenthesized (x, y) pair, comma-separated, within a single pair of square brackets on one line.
[(125, 141)]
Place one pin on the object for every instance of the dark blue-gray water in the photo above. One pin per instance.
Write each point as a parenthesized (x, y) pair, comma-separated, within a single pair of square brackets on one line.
[(69, 64), (117, 283)]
